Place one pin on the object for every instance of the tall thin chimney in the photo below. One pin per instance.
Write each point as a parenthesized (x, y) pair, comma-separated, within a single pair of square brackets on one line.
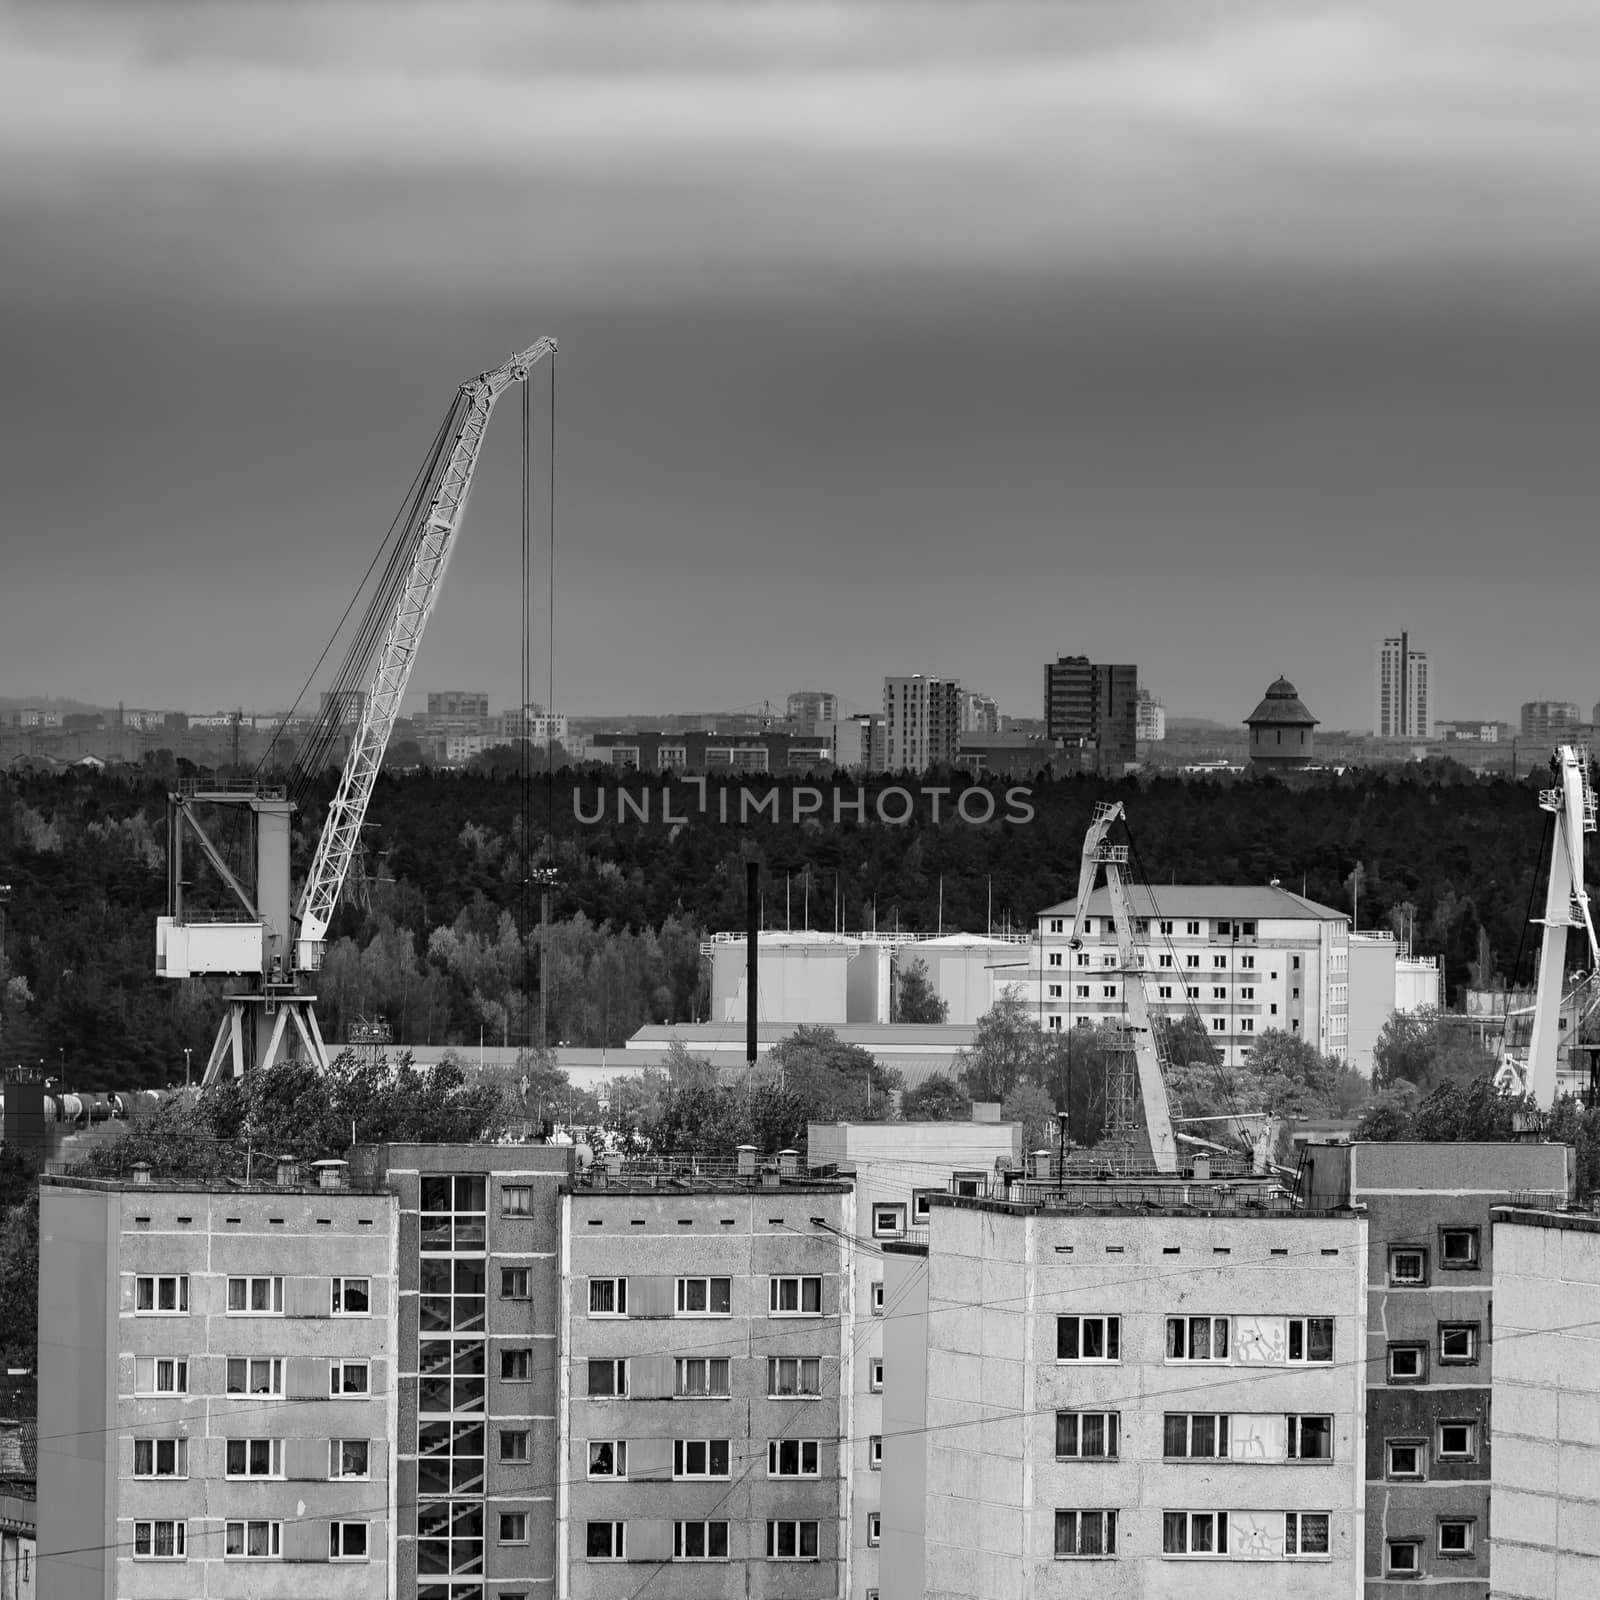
[(752, 891)]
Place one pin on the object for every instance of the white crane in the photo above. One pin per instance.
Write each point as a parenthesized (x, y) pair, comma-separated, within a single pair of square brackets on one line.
[(264, 944), (1566, 905)]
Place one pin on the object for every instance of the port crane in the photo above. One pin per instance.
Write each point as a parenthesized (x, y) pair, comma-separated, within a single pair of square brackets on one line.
[(261, 938), (1571, 801)]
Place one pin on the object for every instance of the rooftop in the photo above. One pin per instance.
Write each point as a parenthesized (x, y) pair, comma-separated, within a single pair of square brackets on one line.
[(1282, 705), (1244, 1198), (695, 1175), (1260, 903), (914, 1036)]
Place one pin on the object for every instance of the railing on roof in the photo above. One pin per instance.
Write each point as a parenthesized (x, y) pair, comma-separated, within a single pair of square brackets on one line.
[(698, 1172), (1537, 1199), (864, 938)]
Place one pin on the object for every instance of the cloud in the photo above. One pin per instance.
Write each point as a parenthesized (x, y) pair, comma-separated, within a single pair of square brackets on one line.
[(641, 149)]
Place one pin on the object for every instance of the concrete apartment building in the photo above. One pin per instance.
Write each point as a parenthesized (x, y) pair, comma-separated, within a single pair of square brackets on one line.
[(1384, 978), (811, 710), (1403, 700), (1093, 707), (921, 723), (1546, 1400), (1430, 1368), (1125, 1391), (1552, 722), (218, 1374), (706, 1379), (19, 1512), (1245, 959), (898, 1167)]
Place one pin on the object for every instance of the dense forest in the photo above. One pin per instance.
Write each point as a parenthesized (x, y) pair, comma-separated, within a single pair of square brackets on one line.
[(439, 928)]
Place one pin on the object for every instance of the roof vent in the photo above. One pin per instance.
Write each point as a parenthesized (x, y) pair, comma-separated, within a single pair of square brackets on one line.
[(331, 1174), (288, 1172), (1041, 1163), (141, 1174), (789, 1163), (747, 1160)]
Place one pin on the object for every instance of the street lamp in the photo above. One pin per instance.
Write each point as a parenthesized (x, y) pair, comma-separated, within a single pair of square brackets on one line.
[(1062, 1119), (187, 1052)]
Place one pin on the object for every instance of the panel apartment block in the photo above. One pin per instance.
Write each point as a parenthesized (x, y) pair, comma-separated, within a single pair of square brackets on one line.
[(1431, 1347), (217, 1375), (1153, 1401), (706, 1387), (479, 1295)]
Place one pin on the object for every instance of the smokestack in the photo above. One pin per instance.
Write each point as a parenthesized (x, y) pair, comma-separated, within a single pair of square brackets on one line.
[(752, 884)]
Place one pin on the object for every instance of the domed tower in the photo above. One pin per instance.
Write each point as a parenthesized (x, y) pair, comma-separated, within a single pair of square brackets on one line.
[(1280, 731)]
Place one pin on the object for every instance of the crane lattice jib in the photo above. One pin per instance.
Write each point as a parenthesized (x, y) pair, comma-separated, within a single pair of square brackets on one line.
[(445, 504)]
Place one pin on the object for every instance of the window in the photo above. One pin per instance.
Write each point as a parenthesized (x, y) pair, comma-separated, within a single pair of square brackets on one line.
[(161, 1296), (877, 1297), (792, 1541), (875, 1452), (1197, 1338), (516, 1200), (700, 1541), (513, 1444), (1311, 1339), (698, 1377), (349, 1377), (1458, 1248), (352, 1297), (1247, 1024), (1247, 930), (252, 1541), (1407, 1265), (792, 1458), (1248, 963), (1219, 992), (253, 1375), (608, 1458), (1406, 1458), (1191, 961), (888, 1222), (1310, 1438), (1054, 991), (161, 1458), (705, 1297), (874, 1527), (1408, 1363), (797, 1297), (349, 1458), (1086, 1533), (1219, 962), (161, 1375), (1058, 925), (254, 1458), (1456, 1536), (1055, 959), (1247, 993), (1192, 929), (1219, 1024), (1080, 991), (1296, 962), (920, 1207), (1458, 1441), (1166, 927), (1196, 1435), (1166, 991), (605, 1541), (1192, 992), (1194, 1533), (1403, 1557), (875, 1375), (160, 1541), (1088, 1338), (255, 1297), (1458, 1343), (789, 1377), (1087, 1435), (608, 1379), (1165, 961), (1108, 991), (1305, 1533), (514, 1283), (700, 1458), (347, 1541), (513, 1527), (516, 1366), (608, 1297)]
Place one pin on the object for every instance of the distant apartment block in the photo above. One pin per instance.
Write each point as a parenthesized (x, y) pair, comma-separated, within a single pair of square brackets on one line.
[(1551, 721), (980, 713), (1472, 730), (1150, 1392), (708, 1363), (346, 706), (1150, 718), (922, 723), (458, 703), (857, 742), (731, 753), (810, 710), (1403, 707), (1242, 959), (1093, 706)]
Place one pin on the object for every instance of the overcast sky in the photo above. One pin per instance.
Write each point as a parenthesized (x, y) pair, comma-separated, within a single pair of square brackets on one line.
[(1219, 338)]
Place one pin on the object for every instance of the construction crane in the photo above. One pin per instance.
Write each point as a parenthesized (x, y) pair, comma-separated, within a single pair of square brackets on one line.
[(1136, 1076), (266, 945), (1566, 906)]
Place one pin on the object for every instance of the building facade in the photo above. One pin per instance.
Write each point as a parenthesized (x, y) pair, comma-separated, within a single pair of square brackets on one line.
[(1431, 1289), (1282, 731), (811, 710), (921, 723), (1089, 705), (1244, 960), (1546, 1402), (1156, 1399), (1551, 721), (1403, 703), (898, 1167), (706, 1376), (1150, 717), (218, 1377)]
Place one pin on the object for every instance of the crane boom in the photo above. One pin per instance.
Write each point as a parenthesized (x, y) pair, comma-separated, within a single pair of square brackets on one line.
[(434, 539)]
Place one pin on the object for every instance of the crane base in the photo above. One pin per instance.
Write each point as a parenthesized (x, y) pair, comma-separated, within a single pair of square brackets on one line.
[(255, 1035)]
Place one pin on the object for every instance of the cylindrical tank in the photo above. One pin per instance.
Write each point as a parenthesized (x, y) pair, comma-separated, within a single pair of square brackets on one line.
[(119, 1106), (97, 1108), (52, 1108), (73, 1109)]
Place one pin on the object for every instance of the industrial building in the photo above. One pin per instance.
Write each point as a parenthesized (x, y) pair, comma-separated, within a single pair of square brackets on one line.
[(1243, 959), (707, 1368), (1385, 978), (1546, 1402), (1094, 1390), (1431, 1287), (898, 1167), (209, 1357)]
